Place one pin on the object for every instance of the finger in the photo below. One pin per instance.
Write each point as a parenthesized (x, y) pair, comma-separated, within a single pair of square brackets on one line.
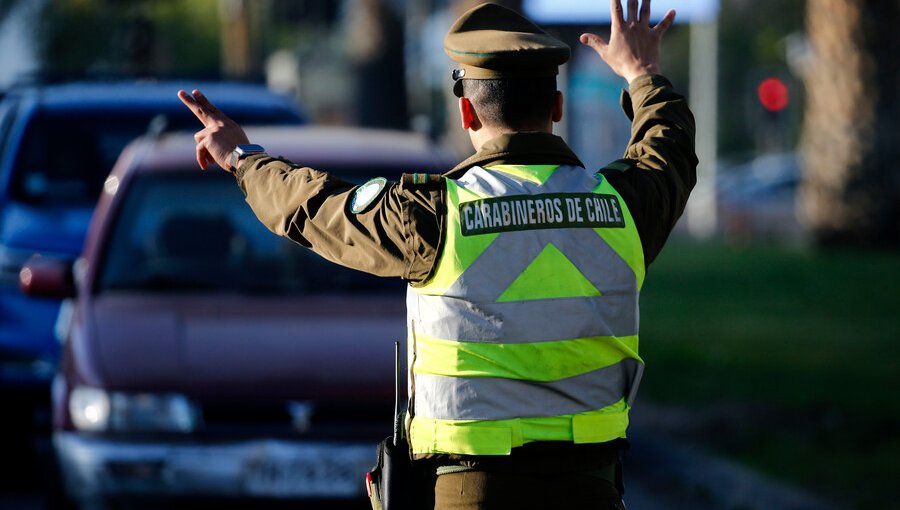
[(664, 24), (204, 157), (205, 103), (195, 107), (186, 98), (594, 41), (632, 10), (615, 10), (645, 12), (210, 160)]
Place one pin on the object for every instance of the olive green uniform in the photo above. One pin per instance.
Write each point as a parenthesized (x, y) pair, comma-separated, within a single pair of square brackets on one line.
[(399, 235)]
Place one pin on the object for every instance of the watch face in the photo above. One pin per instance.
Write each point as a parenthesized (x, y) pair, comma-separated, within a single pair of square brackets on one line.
[(249, 148)]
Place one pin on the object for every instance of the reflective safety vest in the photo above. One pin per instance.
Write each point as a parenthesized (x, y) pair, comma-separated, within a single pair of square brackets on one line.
[(527, 329)]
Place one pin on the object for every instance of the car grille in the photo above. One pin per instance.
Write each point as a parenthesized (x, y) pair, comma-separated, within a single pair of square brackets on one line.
[(307, 420)]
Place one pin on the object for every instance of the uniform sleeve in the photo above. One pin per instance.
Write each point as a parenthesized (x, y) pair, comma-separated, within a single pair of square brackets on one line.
[(396, 235), (660, 165)]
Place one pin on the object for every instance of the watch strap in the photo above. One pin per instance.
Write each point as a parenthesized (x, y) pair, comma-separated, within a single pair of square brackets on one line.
[(243, 150)]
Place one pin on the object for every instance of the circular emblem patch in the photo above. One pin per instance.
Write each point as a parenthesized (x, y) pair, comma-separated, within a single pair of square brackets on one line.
[(366, 194)]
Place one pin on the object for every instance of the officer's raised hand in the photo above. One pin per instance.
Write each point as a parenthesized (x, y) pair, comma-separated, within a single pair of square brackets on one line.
[(219, 136), (633, 47)]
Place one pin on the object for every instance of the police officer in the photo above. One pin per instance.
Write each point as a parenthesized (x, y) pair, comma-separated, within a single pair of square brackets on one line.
[(524, 268)]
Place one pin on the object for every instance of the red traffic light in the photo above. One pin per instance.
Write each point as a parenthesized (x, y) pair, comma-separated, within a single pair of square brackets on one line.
[(773, 94)]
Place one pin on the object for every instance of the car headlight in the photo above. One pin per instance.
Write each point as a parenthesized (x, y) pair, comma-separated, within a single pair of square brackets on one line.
[(89, 409), (94, 410)]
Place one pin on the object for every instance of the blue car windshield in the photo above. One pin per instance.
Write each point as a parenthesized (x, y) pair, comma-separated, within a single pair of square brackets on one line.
[(65, 156), (195, 233)]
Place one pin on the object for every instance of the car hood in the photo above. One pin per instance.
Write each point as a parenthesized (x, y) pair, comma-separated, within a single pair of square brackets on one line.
[(238, 346)]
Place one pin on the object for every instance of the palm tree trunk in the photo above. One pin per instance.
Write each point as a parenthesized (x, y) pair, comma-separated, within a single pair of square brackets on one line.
[(851, 142)]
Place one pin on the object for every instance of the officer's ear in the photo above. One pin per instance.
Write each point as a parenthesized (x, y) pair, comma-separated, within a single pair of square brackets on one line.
[(468, 117), (557, 106)]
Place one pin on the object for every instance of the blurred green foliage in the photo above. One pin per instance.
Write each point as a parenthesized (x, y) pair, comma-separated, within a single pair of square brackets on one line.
[(140, 37), (789, 360)]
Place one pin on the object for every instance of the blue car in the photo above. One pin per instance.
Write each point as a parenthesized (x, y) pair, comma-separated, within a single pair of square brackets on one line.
[(57, 144)]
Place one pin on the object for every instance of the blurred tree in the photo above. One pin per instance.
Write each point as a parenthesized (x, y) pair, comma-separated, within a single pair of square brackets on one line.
[(376, 47), (76, 38), (851, 192), (187, 37), (239, 56)]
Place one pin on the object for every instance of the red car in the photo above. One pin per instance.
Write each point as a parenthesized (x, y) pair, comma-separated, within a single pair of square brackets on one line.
[(206, 356)]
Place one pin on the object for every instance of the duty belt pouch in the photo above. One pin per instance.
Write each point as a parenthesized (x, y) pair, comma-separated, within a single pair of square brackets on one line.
[(620, 468), (392, 482)]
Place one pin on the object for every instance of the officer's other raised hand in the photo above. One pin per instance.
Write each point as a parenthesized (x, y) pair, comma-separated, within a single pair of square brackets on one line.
[(219, 136), (633, 47)]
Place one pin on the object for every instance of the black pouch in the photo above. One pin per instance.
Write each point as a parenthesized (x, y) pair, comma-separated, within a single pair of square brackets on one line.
[(392, 484), (620, 468)]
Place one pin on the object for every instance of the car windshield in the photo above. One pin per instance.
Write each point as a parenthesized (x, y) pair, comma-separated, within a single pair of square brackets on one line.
[(65, 156), (195, 233)]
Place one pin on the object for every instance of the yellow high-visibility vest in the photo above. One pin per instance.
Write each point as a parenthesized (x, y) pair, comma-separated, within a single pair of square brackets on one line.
[(527, 330)]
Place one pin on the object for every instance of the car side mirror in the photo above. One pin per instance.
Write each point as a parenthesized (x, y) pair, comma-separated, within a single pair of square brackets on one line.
[(47, 277)]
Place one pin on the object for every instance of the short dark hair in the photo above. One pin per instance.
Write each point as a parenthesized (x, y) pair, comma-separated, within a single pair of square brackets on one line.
[(515, 103)]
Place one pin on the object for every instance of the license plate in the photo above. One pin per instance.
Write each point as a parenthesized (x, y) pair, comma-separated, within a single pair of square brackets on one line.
[(308, 471)]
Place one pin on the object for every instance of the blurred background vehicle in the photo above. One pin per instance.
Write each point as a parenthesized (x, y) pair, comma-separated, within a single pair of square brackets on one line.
[(58, 142), (757, 199), (206, 356)]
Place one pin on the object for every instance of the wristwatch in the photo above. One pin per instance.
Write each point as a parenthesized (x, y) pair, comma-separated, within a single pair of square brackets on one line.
[(243, 150)]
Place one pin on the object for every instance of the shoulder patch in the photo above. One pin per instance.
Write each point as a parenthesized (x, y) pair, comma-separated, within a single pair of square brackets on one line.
[(366, 194)]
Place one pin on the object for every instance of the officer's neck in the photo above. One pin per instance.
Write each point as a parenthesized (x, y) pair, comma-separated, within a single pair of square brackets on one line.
[(485, 133)]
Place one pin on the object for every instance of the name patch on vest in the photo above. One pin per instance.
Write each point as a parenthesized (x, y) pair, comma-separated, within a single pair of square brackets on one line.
[(534, 212)]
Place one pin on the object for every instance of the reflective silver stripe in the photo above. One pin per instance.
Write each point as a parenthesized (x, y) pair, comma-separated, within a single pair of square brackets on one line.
[(526, 321), (490, 398), (511, 252), (479, 318)]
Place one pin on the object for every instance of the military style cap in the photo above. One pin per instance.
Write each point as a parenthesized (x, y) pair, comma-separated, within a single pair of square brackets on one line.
[(491, 41)]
